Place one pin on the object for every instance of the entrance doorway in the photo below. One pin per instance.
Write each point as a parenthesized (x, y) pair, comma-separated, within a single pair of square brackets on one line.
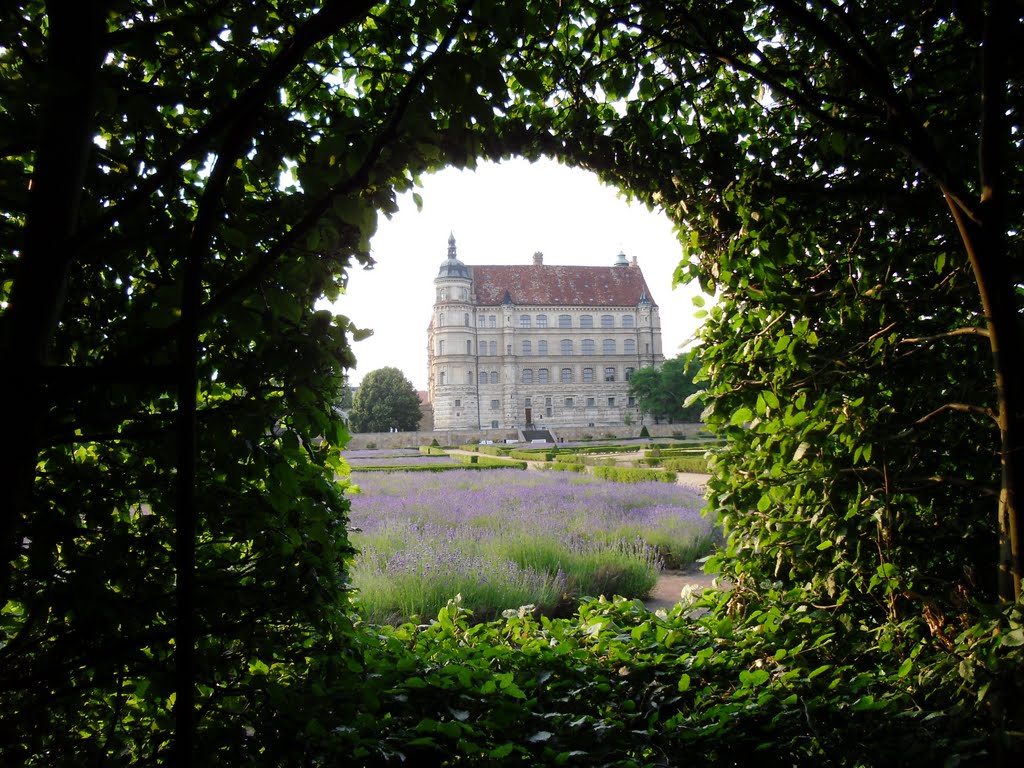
[(529, 417)]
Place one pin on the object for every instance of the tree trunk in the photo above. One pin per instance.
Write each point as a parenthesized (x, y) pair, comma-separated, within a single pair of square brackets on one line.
[(74, 55)]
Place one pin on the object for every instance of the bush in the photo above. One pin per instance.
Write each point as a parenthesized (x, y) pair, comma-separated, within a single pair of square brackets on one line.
[(434, 443), (533, 454), (630, 475), (687, 464), (477, 461), (644, 432), (565, 465)]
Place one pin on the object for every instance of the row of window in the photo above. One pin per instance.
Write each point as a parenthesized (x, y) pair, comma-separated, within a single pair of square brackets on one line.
[(527, 321), (587, 347), (565, 321), (567, 375), (568, 402)]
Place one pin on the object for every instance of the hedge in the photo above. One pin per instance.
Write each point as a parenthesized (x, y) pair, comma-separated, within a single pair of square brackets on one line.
[(630, 475)]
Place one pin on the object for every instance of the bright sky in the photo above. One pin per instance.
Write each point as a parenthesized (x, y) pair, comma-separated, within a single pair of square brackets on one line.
[(502, 214)]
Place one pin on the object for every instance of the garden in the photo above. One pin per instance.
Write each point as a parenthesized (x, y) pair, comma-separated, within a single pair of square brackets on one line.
[(505, 538)]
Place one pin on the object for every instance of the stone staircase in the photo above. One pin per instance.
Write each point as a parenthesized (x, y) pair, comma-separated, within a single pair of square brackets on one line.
[(530, 435)]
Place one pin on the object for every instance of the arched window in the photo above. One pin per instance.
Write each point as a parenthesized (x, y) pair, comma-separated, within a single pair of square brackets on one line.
[(440, 318), (564, 321), (586, 321), (465, 319), (542, 376), (566, 346), (629, 346), (587, 347), (527, 375), (494, 347), (527, 347), (566, 375), (627, 321), (608, 347), (482, 378), (609, 374), (469, 346), (493, 321), (607, 321), (440, 347), (542, 347), (588, 375), (494, 377), (441, 378), (524, 321), (542, 321)]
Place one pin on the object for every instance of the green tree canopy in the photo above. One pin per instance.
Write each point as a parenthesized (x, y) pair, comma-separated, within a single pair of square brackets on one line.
[(385, 400), (662, 392)]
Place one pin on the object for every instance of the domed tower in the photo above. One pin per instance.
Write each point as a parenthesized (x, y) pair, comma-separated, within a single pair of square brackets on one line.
[(452, 346)]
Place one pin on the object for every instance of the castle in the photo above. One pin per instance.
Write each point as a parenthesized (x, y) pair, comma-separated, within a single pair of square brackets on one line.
[(538, 347)]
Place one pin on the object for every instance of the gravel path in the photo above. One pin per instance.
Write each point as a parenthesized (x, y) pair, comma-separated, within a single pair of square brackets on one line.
[(670, 584)]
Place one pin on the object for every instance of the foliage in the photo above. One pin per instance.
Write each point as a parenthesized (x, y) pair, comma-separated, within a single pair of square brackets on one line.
[(385, 400), (487, 461), (618, 685), (181, 184), (643, 432), (664, 392), (697, 464), (633, 475)]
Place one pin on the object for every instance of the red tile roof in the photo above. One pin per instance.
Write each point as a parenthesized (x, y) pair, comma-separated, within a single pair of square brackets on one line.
[(543, 285)]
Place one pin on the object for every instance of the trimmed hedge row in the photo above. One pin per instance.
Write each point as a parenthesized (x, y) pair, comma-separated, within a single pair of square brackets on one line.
[(630, 475), (687, 464), (565, 467), (533, 454), (477, 462), (443, 467)]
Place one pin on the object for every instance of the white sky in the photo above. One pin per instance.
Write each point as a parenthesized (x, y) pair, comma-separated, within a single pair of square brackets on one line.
[(502, 214)]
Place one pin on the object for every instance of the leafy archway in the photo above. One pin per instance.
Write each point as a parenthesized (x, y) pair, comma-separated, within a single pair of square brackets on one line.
[(166, 372)]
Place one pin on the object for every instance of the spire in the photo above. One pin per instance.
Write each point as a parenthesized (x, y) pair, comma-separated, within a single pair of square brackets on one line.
[(451, 246)]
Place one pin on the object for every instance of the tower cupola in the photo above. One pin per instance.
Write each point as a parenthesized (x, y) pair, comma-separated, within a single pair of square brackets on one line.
[(452, 267)]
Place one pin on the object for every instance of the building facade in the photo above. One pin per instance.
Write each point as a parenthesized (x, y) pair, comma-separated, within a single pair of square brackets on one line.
[(537, 346)]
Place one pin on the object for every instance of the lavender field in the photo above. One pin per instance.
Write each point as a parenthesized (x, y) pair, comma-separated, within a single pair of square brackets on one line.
[(507, 538)]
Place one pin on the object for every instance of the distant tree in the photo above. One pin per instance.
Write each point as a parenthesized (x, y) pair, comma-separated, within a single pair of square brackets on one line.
[(346, 395), (385, 400), (663, 391)]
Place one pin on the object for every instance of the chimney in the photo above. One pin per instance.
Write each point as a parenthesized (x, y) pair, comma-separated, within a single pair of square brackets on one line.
[(633, 262), (538, 258)]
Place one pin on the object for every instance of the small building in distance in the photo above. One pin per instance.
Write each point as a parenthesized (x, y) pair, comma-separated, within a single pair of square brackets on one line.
[(538, 346)]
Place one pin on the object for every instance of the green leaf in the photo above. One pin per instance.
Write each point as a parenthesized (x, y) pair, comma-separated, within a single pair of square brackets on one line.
[(1013, 638), (905, 668), (741, 416)]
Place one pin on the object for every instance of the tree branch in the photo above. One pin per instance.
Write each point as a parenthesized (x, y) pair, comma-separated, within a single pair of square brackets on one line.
[(960, 408), (966, 331)]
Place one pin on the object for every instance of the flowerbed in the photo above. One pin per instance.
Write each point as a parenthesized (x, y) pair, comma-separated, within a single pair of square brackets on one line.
[(506, 538)]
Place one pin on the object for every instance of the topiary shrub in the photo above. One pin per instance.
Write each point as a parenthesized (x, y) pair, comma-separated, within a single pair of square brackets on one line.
[(644, 432)]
